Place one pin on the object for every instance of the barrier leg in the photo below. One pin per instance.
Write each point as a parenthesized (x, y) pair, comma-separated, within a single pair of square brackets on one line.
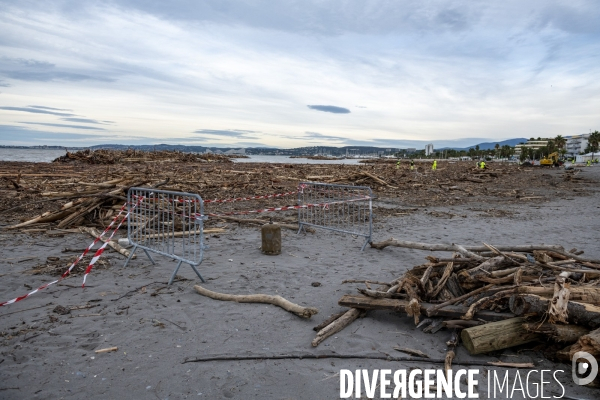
[(175, 272), (365, 245), (301, 229), (197, 273), (149, 256), (130, 255)]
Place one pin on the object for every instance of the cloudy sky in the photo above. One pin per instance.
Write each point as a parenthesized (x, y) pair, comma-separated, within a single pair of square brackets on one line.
[(292, 73)]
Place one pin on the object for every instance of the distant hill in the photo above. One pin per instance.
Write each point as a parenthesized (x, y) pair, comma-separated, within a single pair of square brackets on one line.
[(489, 145), (329, 150)]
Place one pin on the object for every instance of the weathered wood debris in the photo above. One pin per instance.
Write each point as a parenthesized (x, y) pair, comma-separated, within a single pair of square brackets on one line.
[(496, 296), (107, 157), (85, 188)]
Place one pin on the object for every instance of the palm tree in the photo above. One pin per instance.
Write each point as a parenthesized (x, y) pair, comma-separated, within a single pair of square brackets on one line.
[(497, 146), (560, 142), (593, 142)]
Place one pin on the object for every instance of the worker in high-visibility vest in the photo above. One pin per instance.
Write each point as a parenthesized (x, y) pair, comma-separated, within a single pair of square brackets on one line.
[(588, 163), (483, 165), (412, 165), (434, 165), (398, 164)]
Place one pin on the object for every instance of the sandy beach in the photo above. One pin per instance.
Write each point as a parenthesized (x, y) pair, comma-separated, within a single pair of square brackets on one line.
[(159, 330)]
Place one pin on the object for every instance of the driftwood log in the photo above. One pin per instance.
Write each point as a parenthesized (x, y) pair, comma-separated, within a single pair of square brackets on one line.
[(304, 312), (119, 249), (497, 336), (589, 343), (557, 332), (452, 247), (578, 313), (452, 311), (585, 294), (337, 325)]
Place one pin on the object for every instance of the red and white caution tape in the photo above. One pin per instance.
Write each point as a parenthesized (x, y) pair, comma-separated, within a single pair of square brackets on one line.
[(101, 249), (68, 271)]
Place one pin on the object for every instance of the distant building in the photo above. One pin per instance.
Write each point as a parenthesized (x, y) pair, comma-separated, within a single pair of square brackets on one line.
[(577, 144), (429, 149), (235, 151), (534, 144), (411, 150)]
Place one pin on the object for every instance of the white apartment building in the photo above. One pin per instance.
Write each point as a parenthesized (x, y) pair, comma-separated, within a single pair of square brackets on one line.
[(535, 144), (577, 144), (428, 149), (235, 151)]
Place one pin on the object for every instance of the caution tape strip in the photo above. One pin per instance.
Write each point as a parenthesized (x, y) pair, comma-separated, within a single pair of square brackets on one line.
[(96, 256)]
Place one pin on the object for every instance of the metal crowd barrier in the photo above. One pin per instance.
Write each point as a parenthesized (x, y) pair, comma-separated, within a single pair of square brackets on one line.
[(339, 208), (166, 223)]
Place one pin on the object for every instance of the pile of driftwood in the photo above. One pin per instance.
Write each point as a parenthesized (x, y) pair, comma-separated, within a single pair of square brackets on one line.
[(105, 157), (497, 296), (84, 202), (50, 193)]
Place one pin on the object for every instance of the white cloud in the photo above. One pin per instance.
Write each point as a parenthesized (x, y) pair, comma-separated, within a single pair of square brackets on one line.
[(419, 71)]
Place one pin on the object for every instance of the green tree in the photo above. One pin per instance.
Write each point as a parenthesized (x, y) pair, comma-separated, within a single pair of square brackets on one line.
[(560, 142), (523, 156), (593, 142)]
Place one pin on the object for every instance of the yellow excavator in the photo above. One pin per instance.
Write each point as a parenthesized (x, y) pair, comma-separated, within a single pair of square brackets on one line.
[(551, 160)]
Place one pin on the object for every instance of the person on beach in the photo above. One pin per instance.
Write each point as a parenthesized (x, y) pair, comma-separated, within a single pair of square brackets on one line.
[(482, 165), (434, 165), (412, 165), (398, 164)]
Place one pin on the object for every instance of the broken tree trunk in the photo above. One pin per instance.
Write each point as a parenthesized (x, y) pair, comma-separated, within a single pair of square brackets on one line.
[(497, 336), (451, 311), (451, 247), (578, 313), (336, 326), (583, 294), (560, 333), (589, 343), (304, 312)]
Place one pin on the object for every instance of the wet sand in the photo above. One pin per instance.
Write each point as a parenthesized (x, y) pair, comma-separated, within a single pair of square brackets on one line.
[(156, 328)]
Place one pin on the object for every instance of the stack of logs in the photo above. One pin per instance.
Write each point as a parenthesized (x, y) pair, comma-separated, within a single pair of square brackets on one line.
[(107, 157), (496, 296), (85, 200)]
